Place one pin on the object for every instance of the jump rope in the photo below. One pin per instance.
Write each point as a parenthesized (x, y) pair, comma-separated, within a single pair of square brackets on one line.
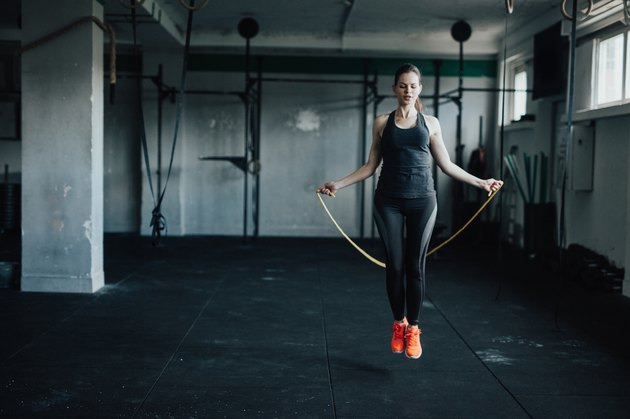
[(570, 99), (430, 252), (509, 4)]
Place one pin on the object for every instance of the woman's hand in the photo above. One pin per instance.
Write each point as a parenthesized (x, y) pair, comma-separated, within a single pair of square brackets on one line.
[(491, 185), (329, 188)]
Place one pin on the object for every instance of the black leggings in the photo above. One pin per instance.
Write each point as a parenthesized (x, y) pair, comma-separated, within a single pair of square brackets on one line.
[(405, 257)]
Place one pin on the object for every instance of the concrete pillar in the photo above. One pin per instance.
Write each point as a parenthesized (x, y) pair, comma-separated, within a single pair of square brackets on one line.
[(62, 149)]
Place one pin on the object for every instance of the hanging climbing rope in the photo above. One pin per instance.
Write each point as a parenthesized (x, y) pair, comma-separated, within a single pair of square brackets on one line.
[(158, 221)]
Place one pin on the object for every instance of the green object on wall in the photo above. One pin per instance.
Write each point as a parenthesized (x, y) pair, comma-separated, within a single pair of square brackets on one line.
[(336, 65), (528, 185)]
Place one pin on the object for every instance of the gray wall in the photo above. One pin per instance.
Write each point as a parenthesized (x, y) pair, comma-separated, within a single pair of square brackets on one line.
[(597, 219), (212, 191), (310, 133), (122, 182)]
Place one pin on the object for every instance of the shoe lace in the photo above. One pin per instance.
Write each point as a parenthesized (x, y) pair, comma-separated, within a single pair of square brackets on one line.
[(413, 336)]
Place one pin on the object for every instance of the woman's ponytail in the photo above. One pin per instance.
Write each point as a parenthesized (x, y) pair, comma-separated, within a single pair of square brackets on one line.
[(419, 105)]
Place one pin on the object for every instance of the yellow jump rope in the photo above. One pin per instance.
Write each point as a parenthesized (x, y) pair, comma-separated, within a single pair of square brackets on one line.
[(435, 249)]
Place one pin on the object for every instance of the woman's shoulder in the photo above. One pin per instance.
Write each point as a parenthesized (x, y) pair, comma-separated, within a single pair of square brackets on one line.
[(381, 119), (430, 118), (432, 122), (380, 122)]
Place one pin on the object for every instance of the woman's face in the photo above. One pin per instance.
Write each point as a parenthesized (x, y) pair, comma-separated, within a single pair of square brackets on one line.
[(408, 88)]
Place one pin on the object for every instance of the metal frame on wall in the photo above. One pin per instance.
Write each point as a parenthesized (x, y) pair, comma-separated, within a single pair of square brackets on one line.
[(368, 69)]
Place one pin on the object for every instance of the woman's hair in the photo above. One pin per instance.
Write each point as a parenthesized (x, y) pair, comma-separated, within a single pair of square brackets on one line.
[(409, 68)]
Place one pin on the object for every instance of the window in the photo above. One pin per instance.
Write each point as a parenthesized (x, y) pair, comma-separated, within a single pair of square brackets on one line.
[(519, 107), (611, 77), (516, 95)]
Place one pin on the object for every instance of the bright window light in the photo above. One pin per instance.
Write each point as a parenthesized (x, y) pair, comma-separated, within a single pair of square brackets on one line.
[(520, 97), (610, 70)]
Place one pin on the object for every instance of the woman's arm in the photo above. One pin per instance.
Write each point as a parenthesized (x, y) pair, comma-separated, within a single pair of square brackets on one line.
[(443, 160), (366, 170)]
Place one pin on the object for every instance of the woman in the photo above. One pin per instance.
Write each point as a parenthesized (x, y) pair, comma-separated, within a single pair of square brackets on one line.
[(405, 141)]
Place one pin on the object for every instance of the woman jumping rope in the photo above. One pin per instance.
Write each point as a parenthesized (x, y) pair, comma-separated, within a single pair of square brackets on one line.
[(405, 199)]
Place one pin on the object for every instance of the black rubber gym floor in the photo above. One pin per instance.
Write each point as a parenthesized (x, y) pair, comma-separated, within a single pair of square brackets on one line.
[(207, 327)]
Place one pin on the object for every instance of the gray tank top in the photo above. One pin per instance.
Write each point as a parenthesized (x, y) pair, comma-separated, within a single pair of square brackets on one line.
[(406, 171)]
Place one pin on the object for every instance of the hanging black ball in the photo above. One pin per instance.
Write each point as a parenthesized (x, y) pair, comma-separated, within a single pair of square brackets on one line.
[(248, 27), (460, 31)]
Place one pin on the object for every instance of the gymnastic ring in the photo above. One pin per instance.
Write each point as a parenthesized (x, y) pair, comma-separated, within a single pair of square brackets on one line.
[(509, 6), (626, 12), (131, 6), (193, 8), (254, 167), (566, 14)]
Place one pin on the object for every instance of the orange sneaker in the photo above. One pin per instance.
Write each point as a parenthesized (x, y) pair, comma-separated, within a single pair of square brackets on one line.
[(398, 336), (413, 348)]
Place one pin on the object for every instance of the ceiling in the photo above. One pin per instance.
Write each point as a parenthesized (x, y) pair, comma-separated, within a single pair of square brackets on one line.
[(351, 27)]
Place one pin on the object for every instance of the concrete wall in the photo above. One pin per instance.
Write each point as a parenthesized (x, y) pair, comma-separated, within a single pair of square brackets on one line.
[(597, 219), (122, 159), (310, 133), (213, 191)]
